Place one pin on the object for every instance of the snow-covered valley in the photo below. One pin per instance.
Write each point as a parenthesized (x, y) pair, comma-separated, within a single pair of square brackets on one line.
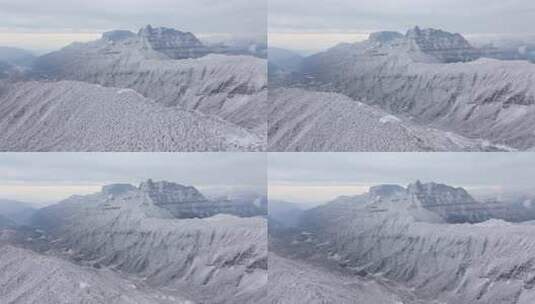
[(425, 243), (435, 79)]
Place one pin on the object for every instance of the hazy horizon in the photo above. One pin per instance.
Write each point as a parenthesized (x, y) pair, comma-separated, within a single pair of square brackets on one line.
[(321, 177), (43, 178), (29, 25), (313, 26)]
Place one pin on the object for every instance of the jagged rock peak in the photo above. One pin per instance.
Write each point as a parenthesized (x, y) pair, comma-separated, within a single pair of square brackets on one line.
[(168, 34), (385, 36), (445, 46), (171, 42), (115, 189), (433, 194), (386, 190), (164, 192), (118, 35), (437, 35)]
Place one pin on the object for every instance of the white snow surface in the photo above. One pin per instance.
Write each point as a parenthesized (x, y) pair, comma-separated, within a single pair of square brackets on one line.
[(76, 116), (301, 120)]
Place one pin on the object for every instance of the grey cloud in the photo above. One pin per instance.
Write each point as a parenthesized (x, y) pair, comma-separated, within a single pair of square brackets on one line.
[(206, 16), (204, 169), (477, 16)]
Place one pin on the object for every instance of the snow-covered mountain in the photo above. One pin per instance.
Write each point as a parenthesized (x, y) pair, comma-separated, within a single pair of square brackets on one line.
[(167, 235), (407, 237), (435, 78), (171, 67), (178, 95), (302, 120), (76, 116), (443, 46), (173, 43)]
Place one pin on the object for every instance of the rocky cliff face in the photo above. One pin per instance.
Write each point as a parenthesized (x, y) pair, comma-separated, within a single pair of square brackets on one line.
[(452, 204), (445, 47), (173, 43)]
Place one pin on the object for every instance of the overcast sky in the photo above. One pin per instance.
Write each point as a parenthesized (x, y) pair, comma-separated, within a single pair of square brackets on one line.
[(54, 23), (318, 24), (48, 177), (319, 177)]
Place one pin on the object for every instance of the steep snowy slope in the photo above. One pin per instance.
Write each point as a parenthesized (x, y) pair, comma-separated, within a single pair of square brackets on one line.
[(395, 236), (31, 278), (301, 120), (434, 77), (75, 116), (172, 68), (297, 282), (218, 259)]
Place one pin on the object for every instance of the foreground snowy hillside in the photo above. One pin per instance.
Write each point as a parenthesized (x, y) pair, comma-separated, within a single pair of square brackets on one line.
[(165, 240), (301, 120), (406, 236), (31, 278), (296, 282), (436, 78), (76, 116)]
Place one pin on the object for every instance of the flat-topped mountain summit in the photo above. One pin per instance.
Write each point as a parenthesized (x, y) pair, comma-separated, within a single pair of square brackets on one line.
[(173, 43), (432, 202)]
